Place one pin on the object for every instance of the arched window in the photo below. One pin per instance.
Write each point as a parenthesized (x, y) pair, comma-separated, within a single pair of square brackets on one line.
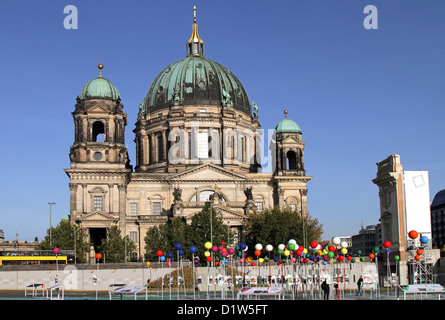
[(291, 160), (98, 131)]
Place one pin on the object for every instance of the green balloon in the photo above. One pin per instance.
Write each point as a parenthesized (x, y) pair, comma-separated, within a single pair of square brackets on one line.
[(291, 246), (359, 252), (331, 254), (375, 249), (397, 258), (362, 259), (353, 260), (266, 259)]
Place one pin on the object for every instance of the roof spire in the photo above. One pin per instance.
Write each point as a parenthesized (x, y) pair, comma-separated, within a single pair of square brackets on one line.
[(195, 45), (100, 66)]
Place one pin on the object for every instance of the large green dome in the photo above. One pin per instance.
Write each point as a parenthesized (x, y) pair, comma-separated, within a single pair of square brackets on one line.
[(99, 88), (196, 80)]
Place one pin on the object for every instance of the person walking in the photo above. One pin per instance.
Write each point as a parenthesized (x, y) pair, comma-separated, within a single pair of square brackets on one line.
[(325, 288), (360, 286)]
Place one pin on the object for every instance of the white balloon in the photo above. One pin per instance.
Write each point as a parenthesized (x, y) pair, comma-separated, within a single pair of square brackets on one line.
[(281, 247), (292, 241), (258, 246), (269, 247), (336, 240), (344, 244), (247, 247)]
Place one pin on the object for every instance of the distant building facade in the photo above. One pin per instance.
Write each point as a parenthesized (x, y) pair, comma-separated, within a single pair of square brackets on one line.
[(438, 220)]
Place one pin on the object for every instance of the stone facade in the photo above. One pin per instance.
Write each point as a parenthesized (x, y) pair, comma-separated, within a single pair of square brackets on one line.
[(189, 151)]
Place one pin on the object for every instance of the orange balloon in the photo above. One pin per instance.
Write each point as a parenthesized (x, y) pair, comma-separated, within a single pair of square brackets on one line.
[(417, 258), (371, 256), (419, 252), (413, 234), (257, 252), (98, 256)]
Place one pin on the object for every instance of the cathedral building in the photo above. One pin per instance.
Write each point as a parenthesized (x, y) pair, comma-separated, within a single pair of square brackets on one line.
[(198, 140)]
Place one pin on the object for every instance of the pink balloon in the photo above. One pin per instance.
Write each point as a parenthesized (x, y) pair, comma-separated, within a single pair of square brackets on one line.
[(220, 248), (241, 260), (214, 248), (224, 254), (231, 251)]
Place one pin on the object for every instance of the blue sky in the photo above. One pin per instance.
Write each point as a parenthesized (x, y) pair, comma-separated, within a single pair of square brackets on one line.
[(358, 95)]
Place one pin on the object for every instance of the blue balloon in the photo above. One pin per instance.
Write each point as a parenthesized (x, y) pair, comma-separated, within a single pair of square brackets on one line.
[(193, 249), (226, 261), (424, 239), (276, 259), (242, 246), (181, 252), (162, 258), (169, 255), (388, 251), (178, 246)]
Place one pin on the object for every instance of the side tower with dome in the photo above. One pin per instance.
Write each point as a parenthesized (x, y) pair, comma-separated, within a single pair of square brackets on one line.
[(197, 140)]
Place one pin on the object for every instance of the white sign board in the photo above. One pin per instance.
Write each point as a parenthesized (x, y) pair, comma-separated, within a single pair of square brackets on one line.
[(417, 202)]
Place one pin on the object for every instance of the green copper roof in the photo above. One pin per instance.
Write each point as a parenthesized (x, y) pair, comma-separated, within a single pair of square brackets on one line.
[(288, 125), (196, 80), (99, 88)]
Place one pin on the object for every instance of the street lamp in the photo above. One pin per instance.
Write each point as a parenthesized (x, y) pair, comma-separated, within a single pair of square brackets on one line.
[(50, 204)]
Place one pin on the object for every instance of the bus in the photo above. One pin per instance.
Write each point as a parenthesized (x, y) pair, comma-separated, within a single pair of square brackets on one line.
[(21, 257)]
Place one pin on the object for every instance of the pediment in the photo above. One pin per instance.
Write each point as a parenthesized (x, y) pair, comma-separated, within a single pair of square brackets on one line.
[(291, 140), (98, 109), (97, 217), (207, 172)]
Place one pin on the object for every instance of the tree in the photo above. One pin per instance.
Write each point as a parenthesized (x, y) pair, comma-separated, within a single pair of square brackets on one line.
[(197, 233), (277, 226), (116, 249), (63, 237)]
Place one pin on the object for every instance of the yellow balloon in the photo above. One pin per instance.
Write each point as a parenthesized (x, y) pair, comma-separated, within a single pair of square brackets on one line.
[(148, 263), (207, 254), (319, 253), (344, 251), (260, 260), (208, 245), (286, 252), (305, 250)]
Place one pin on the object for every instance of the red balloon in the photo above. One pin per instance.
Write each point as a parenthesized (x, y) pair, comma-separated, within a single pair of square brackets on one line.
[(257, 252), (419, 252), (387, 244), (413, 234), (300, 248), (209, 258), (417, 258), (331, 248), (98, 256), (314, 244), (159, 253), (372, 256), (341, 258), (349, 258), (253, 264)]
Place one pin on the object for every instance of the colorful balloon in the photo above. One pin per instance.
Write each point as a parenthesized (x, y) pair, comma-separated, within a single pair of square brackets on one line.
[(424, 239), (413, 234)]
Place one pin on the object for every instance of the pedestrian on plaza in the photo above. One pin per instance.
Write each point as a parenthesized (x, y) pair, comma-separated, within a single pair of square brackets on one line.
[(360, 286), (325, 288)]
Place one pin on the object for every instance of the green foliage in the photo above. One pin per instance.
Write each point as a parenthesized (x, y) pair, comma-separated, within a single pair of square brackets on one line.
[(197, 233), (63, 237), (114, 247), (276, 226)]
